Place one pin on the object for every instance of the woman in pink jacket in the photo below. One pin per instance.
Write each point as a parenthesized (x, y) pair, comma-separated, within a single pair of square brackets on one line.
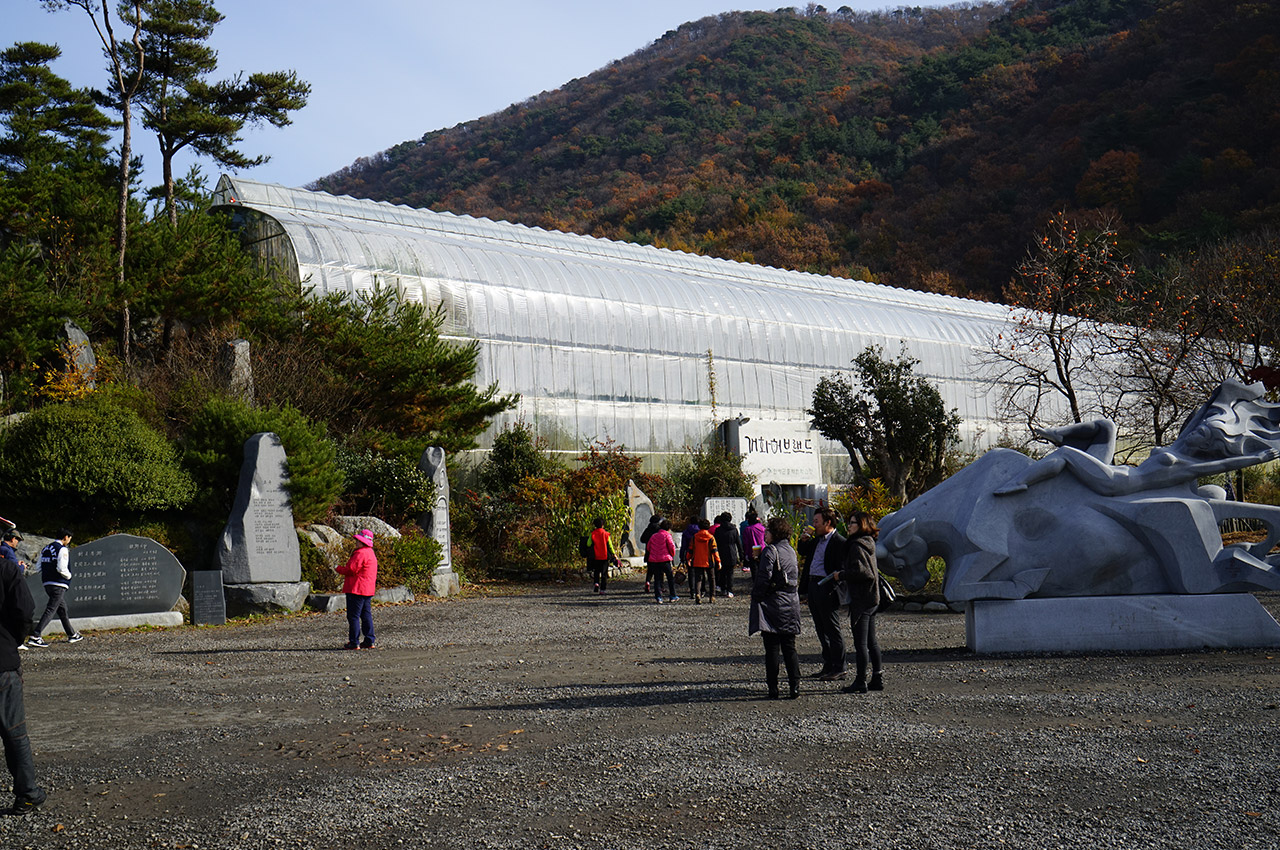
[(361, 583), (660, 551)]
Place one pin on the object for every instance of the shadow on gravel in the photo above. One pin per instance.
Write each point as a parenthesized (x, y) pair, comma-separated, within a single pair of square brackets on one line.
[(239, 650), (927, 656), (638, 695)]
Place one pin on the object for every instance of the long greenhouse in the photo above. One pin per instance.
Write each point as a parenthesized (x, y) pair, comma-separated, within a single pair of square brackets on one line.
[(648, 347)]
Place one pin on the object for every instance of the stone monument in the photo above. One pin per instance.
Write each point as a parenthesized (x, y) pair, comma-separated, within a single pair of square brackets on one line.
[(641, 508), (1114, 557), (208, 600), (78, 352), (435, 522), (237, 370), (258, 550), (118, 582)]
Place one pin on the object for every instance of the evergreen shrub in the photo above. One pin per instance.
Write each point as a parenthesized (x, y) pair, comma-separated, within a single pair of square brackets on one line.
[(385, 486), (215, 452), (93, 453)]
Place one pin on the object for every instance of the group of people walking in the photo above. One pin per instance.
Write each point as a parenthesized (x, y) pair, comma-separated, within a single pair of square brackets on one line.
[(711, 554), (831, 573), (838, 573)]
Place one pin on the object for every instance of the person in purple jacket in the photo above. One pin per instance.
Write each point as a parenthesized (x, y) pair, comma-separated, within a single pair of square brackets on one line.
[(752, 539)]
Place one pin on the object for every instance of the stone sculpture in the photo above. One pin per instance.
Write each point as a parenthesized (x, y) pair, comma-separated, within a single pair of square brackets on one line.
[(1072, 524), (435, 521)]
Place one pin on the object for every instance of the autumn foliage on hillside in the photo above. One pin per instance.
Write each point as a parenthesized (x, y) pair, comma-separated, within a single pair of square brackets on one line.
[(921, 148)]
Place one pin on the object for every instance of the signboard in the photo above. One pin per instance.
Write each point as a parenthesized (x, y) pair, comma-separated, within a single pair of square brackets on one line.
[(736, 508), (776, 450)]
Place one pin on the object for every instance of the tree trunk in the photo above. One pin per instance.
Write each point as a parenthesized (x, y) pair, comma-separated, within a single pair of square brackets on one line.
[(122, 227), (170, 207)]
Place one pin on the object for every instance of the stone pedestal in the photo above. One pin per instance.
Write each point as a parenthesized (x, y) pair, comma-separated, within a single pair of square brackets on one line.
[(445, 584), (244, 600), (1111, 623)]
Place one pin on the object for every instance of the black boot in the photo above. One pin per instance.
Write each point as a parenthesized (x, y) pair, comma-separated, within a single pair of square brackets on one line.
[(859, 686), (876, 684)]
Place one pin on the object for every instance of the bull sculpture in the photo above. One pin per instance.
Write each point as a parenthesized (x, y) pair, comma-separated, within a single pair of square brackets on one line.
[(1074, 524)]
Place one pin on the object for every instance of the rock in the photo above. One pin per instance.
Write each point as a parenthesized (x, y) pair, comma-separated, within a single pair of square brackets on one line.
[(266, 597), (327, 602), (392, 595), (329, 543), (349, 525), (936, 608), (78, 352), (323, 536), (29, 547), (912, 606)]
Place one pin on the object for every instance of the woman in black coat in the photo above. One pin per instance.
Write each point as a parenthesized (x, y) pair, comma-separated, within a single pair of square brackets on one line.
[(775, 606), (861, 576)]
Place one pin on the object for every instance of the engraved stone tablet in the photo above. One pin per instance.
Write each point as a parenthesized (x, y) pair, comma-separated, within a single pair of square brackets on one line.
[(259, 543), (208, 605), (120, 574)]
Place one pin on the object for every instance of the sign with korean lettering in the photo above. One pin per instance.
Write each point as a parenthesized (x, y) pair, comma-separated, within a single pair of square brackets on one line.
[(119, 574), (779, 450)]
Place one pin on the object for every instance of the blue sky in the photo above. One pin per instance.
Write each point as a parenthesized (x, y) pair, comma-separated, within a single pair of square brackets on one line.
[(386, 71)]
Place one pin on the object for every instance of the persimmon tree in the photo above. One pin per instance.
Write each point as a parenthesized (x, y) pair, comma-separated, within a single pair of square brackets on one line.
[(1049, 354)]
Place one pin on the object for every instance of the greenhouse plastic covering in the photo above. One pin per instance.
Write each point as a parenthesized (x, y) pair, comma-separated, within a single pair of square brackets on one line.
[(606, 339)]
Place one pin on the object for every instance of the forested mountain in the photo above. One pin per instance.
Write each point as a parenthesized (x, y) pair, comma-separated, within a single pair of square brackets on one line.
[(921, 148)]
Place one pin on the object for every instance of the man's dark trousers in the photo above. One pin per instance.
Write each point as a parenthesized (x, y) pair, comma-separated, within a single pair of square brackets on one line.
[(824, 605)]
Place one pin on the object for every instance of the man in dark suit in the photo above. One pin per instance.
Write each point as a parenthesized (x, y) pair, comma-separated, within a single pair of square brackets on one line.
[(16, 610), (824, 601)]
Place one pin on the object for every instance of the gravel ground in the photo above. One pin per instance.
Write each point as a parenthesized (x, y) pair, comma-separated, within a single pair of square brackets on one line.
[(555, 718)]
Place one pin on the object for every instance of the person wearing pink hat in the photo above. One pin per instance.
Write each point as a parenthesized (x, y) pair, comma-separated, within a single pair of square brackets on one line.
[(360, 584)]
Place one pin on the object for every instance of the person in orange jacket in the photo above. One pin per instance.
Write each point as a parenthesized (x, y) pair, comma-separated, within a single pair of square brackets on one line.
[(600, 554), (361, 582), (704, 558)]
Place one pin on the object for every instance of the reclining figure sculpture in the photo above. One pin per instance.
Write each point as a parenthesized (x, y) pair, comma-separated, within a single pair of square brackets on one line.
[(1074, 524)]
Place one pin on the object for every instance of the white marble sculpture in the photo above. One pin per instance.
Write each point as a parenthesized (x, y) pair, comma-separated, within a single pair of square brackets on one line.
[(1074, 524)]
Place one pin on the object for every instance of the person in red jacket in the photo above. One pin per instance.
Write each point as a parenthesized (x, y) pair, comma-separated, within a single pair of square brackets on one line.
[(361, 582)]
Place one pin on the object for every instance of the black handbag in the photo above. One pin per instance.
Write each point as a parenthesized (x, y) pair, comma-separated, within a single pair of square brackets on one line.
[(887, 594)]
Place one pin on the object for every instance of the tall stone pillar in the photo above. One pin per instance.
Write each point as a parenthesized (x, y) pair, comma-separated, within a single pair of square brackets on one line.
[(435, 522)]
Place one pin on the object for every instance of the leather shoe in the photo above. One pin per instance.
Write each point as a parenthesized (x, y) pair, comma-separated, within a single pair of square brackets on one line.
[(835, 676)]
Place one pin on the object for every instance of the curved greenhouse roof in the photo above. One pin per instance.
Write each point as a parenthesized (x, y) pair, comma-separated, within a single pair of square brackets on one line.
[(610, 339)]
